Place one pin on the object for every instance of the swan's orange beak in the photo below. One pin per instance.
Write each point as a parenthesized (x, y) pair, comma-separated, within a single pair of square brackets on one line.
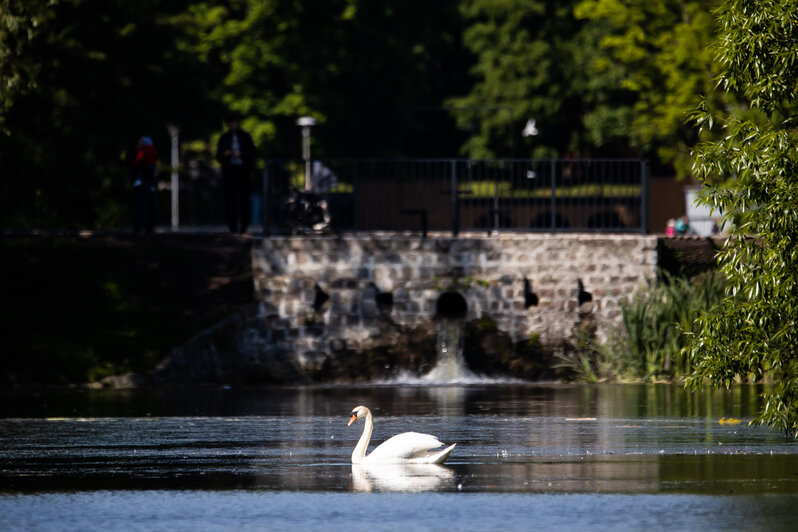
[(352, 419)]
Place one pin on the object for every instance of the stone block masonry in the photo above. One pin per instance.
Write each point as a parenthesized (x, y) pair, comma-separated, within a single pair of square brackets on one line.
[(340, 288)]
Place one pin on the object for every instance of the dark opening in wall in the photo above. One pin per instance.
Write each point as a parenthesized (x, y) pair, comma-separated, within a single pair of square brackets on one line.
[(584, 298), (384, 300), (451, 305), (320, 299), (530, 297)]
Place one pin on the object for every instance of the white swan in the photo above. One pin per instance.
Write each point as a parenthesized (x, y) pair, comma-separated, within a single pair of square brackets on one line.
[(408, 447)]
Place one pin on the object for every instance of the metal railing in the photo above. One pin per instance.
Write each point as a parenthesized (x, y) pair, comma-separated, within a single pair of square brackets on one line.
[(551, 195)]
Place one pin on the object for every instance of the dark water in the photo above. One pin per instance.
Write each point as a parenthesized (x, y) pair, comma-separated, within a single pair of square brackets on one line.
[(598, 457)]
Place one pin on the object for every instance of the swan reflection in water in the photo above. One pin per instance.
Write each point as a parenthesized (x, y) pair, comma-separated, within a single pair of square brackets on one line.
[(401, 477)]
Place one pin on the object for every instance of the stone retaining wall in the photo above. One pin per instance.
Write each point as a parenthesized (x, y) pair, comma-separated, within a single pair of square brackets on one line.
[(314, 290)]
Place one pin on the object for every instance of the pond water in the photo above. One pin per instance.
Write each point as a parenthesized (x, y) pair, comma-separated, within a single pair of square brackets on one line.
[(558, 456)]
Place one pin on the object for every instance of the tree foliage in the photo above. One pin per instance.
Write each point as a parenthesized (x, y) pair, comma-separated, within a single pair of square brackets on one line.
[(751, 177), (525, 68), (653, 63), (20, 23), (83, 78), (100, 73), (600, 77), (365, 70)]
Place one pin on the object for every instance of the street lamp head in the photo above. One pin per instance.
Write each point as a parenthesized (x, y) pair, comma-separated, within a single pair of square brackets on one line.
[(530, 130), (306, 121)]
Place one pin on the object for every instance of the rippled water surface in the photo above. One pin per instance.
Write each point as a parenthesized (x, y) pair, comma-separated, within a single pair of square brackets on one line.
[(565, 457)]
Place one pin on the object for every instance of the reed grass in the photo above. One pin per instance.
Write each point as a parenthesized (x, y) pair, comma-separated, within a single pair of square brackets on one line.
[(655, 324), (653, 330)]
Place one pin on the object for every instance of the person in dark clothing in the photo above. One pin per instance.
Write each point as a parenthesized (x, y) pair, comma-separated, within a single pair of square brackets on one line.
[(144, 167), (236, 153)]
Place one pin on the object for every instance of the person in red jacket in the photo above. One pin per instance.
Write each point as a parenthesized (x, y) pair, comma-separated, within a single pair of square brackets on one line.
[(144, 168)]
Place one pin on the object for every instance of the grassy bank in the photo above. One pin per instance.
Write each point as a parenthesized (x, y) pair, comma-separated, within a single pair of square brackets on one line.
[(655, 327), (80, 308)]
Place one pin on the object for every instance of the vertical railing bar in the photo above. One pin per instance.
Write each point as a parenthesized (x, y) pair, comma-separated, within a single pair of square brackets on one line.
[(594, 199), (455, 221), (628, 176), (629, 173), (499, 181), (535, 186), (440, 176), (570, 194), (355, 165), (553, 196), (264, 199), (598, 196), (606, 173), (529, 195), (644, 222)]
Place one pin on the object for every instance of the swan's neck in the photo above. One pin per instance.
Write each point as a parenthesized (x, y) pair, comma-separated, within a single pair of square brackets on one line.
[(360, 449)]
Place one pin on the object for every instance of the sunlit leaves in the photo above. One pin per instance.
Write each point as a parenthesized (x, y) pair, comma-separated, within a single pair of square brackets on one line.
[(656, 52), (21, 21), (757, 45), (751, 174)]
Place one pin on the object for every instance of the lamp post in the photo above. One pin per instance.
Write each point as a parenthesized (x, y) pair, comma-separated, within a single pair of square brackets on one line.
[(306, 122), (174, 133)]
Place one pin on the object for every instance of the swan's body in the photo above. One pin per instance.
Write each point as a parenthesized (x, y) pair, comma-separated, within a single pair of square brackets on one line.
[(408, 447)]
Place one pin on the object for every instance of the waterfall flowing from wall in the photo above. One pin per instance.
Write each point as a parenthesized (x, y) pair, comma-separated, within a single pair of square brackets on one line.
[(450, 365)]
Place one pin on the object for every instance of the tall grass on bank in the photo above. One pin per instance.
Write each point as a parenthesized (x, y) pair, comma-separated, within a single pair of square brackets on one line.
[(652, 333), (655, 324)]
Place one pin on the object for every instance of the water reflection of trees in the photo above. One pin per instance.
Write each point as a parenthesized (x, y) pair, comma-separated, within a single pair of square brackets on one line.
[(575, 400)]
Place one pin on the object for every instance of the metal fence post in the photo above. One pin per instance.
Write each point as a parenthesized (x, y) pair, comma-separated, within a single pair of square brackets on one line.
[(264, 213), (455, 207), (644, 222), (354, 195), (553, 172), (496, 214)]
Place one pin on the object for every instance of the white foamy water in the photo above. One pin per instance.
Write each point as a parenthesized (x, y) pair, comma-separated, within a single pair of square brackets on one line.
[(450, 368), (445, 377)]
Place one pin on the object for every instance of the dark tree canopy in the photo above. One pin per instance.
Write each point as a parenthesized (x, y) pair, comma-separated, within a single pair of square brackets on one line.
[(84, 78)]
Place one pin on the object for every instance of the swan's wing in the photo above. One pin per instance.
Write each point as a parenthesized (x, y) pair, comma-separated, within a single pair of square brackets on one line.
[(434, 457), (403, 447)]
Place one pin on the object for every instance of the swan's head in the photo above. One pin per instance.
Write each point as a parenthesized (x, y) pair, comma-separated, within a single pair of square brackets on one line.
[(358, 412)]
